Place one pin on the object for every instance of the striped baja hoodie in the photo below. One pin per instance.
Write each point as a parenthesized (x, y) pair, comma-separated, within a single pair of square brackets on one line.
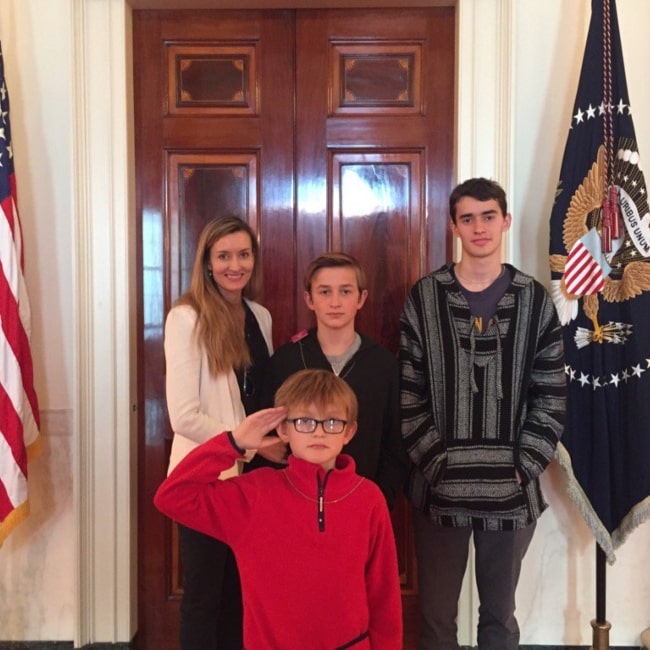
[(478, 405)]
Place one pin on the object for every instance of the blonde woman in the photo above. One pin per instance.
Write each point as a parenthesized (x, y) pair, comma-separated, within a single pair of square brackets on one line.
[(217, 343)]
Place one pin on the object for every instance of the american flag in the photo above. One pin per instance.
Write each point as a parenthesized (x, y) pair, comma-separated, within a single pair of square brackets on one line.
[(583, 274), (19, 416)]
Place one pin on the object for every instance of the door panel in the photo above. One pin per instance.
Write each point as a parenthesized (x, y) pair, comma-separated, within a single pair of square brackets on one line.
[(325, 130), (375, 83), (201, 187), (377, 216)]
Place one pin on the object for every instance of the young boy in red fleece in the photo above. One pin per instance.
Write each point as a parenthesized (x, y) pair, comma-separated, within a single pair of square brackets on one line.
[(314, 542)]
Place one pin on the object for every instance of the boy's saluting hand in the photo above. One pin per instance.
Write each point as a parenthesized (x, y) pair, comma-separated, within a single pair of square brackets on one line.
[(250, 434)]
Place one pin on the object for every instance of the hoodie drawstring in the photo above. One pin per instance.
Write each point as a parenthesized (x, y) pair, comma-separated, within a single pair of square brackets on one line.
[(494, 322), (472, 355)]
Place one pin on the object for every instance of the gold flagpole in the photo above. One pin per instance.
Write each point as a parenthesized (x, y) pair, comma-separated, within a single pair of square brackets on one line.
[(600, 625)]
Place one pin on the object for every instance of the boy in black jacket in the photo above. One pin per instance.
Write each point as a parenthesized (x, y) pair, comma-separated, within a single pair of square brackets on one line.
[(335, 290)]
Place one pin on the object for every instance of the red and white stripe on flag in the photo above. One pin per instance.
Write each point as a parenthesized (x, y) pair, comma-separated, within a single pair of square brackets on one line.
[(19, 421), (583, 274)]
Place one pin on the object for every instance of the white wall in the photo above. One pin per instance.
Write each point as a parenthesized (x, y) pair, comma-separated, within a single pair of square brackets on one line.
[(38, 584), (37, 562), (556, 597)]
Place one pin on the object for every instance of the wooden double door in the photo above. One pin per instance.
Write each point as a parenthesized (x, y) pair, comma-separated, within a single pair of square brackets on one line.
[(325, 130)]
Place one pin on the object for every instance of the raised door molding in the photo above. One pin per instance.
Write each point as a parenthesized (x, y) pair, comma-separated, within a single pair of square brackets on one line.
[(104, 447), (485, 94)]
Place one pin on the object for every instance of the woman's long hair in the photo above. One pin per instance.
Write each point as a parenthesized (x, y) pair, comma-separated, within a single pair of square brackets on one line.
[(223, 339)]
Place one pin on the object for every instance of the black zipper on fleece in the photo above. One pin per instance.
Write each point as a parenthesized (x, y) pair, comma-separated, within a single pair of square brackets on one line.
[(321, 501)]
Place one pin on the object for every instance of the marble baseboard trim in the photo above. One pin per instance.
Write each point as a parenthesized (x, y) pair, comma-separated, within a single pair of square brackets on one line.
[(68, 645), (59, 645), (56, 422)]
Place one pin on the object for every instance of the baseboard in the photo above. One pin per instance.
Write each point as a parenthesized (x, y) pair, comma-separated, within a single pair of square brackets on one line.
[(576, 647), (68, 645), (60, 645), (563, 647)]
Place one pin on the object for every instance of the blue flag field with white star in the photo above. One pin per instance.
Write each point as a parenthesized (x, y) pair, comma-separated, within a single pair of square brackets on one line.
[(600, 276)]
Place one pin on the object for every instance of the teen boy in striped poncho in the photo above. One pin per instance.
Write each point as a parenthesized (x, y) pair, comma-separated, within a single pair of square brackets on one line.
[(482, 401)]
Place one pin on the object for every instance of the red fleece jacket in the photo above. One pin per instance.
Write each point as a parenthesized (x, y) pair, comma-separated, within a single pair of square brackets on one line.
[(315, 550)]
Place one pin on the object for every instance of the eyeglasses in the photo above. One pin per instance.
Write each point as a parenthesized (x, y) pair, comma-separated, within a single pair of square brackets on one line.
[(308, 425)]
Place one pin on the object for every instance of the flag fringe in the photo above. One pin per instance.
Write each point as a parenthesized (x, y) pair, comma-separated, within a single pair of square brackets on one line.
[(16, 516), (577, 495), (20, 513), (34, 449), (638, 515)]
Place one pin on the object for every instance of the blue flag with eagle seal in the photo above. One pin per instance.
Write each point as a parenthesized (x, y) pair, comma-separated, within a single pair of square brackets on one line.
[(600, 277)]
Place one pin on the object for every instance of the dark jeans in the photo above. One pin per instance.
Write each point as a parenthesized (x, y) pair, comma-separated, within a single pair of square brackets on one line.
[(211, 609), (442, 555)]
